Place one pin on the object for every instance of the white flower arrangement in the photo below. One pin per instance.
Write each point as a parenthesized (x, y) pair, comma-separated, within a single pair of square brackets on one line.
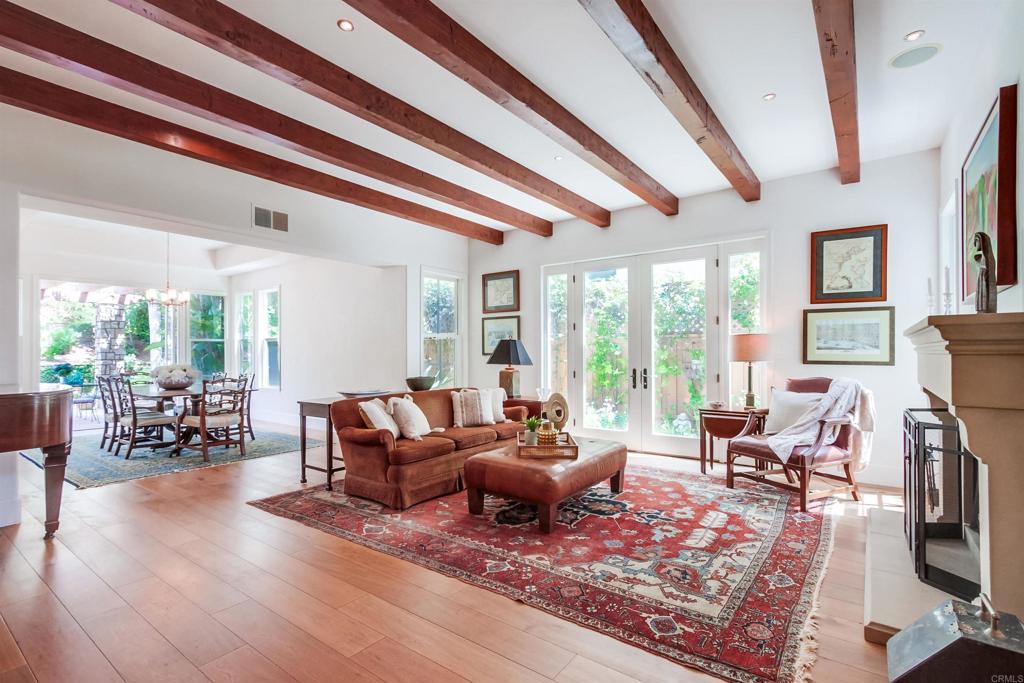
[(175, 374)]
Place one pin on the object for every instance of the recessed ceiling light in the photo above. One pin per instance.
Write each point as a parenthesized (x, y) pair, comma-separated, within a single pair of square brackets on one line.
[(558, 157), (913, 35), (346, 25), (768, 96), (915, 56)]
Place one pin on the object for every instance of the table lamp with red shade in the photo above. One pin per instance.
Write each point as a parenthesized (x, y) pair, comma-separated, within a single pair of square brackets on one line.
[(749, 348)]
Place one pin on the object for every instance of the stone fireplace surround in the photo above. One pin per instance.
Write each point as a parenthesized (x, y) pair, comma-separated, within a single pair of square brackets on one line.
[(973, 364)]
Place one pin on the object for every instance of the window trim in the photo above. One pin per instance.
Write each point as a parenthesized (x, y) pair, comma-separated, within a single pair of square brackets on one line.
[(726, 250), (185, 322), (261, 380), (236, 337), (546, 272), (461, 313)]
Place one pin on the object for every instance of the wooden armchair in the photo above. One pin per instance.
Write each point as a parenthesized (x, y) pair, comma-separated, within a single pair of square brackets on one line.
[(219, 412), (137, 423), (804, 461)]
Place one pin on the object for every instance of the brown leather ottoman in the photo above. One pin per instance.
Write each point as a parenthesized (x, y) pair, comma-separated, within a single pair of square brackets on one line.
[(543, 482)]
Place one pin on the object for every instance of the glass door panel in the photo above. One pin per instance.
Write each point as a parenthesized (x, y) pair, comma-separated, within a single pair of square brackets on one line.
[(677, 352), (606, 367)]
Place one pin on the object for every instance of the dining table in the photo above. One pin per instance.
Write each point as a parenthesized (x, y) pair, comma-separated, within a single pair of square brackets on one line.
[(156, 393)]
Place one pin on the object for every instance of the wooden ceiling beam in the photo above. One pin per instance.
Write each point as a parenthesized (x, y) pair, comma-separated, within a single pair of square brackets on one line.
[(37, 36), (231, 33), (426, 27), (37, 95), (834, 21), (633, 31)]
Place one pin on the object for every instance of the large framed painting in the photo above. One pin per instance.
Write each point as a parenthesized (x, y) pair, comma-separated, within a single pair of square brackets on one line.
[(988, 182), (498, 328), (501, 292), (850, 336), (849, 265)]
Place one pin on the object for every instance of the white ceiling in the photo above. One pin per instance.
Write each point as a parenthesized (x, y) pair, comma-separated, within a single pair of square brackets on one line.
[(736, 50)]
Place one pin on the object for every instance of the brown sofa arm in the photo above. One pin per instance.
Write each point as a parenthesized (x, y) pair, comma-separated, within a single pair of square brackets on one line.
[(367, 437), (533, 406), (516, 413)]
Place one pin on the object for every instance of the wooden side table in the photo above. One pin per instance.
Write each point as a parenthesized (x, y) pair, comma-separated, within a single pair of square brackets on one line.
[(318, 407), (723, 423)]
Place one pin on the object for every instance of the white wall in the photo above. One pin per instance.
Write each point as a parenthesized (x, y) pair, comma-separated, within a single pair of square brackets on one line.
[(901, 192), (343, 326), (1000, 62), (43, 157)]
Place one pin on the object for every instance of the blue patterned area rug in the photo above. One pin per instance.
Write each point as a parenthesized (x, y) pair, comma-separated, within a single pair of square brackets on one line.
[(89, 465)]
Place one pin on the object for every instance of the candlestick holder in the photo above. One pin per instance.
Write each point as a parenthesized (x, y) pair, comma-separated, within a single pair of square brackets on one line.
[(947, 303), (931, 305)]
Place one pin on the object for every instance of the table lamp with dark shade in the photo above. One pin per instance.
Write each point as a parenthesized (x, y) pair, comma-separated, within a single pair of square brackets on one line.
[(509, 352), (749, 349)]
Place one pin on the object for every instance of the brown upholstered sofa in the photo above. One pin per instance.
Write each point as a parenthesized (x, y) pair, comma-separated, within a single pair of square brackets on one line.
[(402, 472)]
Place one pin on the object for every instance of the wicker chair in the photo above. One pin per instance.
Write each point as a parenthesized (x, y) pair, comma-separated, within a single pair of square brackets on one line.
[(804, 461)]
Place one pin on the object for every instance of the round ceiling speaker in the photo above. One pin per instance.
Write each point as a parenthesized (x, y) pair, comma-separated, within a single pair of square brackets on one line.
[(914, 56)]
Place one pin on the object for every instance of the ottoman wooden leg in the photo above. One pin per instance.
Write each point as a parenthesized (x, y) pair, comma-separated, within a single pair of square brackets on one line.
[(476, 501), (616, 481), (547, 513)]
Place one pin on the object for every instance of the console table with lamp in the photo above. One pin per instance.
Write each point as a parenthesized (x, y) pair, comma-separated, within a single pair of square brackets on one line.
[(718, 420)]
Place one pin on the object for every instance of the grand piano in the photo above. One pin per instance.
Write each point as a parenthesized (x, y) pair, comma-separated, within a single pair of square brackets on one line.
[(39, 419)]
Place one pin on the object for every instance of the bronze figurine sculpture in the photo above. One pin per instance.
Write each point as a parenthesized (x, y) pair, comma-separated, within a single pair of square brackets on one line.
[(985, 299)]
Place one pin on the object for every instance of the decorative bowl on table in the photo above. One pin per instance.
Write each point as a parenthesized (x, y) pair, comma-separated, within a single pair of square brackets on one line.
[(421, 383), (716, 405), (174, 376)]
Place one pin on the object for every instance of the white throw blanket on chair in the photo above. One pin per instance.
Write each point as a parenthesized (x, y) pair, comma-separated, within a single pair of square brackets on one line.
[(844, 397)]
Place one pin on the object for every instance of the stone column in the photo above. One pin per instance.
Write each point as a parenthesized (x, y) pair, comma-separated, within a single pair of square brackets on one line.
[(109, 339)]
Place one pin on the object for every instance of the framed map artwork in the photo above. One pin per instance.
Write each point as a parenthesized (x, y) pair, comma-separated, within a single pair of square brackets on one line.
[(501, 292), (848, 265)]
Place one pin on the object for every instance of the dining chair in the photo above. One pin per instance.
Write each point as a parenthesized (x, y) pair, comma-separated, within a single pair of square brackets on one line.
[(110, 406), (139, 425), (215, 415)]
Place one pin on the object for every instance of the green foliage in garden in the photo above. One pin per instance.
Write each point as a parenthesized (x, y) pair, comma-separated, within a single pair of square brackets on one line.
[(745, 292)]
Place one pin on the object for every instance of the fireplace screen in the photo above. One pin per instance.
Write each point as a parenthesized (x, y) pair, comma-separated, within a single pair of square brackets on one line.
[(941, 496)]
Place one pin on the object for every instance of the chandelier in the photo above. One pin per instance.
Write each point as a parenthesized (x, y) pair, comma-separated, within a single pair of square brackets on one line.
[(168, 296)]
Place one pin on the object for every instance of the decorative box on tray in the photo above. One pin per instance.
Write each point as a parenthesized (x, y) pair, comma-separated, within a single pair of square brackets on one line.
[(564, 447)]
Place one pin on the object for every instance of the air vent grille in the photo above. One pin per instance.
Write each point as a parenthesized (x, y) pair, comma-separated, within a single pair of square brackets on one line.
[(269, 219)]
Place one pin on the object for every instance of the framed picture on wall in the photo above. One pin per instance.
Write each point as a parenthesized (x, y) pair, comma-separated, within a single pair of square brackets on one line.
[(988, 183), (501, 292), (850, 336), (496, 329), (849, 265)]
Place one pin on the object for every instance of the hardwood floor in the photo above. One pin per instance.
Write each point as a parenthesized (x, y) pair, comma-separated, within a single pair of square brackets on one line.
[(175, 578)]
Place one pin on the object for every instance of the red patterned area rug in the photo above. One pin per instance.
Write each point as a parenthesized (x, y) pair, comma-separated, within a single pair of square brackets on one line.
[(720, 580)]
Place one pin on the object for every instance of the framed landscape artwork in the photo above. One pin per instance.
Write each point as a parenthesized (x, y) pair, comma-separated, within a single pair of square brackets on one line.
[(849, 265), (496, 329), (501, 292), (850, 336), (988, 183)]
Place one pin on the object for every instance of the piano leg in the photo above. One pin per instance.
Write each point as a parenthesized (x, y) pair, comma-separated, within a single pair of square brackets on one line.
[(54, 461)]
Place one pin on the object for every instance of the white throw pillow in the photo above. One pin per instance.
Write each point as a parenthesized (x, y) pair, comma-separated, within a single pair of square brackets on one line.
[(410, 418), (498, 397), (375, 415), (787, 408), (472, 408)]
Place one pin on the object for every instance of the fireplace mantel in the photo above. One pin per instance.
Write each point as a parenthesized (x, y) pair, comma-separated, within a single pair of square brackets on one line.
[(974, 365)]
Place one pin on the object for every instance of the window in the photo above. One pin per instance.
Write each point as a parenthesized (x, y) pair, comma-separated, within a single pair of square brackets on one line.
[(556, 333), (244, 334), (206, 333), (442, 345), (745, 315), (269, 328)]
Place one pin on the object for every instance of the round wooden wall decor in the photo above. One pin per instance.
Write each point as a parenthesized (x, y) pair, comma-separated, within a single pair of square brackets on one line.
[(556, 409)]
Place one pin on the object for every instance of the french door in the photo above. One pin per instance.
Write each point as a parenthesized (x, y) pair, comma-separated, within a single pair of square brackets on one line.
[(646, 348)]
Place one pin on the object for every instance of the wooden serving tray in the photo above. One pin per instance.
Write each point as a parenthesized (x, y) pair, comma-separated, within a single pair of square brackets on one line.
[(566, 448)]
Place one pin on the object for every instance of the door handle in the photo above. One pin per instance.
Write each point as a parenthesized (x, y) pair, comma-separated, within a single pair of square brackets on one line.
[(634, 378), (644, 378)]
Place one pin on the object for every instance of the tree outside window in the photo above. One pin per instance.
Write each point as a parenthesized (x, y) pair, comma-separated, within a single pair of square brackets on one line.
[(440, 327), (206, 333)]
